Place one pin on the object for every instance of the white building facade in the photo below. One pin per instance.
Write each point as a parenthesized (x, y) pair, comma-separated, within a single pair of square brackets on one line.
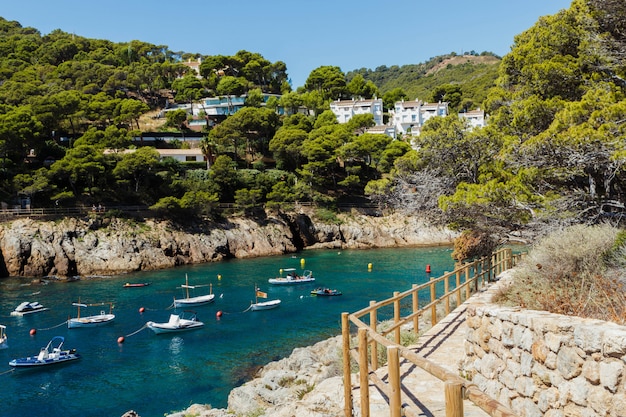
[(408, 117), (475, 118), (345, 110)]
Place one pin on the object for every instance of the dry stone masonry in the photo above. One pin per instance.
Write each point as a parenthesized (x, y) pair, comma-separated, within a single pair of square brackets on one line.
[(542, 364)]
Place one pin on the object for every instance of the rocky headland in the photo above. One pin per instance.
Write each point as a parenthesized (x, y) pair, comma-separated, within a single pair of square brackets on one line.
[(97, 245)]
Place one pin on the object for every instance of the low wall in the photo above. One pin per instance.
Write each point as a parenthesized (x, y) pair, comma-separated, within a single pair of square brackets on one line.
[(542, 364)]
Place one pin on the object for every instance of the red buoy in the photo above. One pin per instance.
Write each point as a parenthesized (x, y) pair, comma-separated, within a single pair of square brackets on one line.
[(218, 314), (428, 269), (120, 339), (141, 309), (33, 331)]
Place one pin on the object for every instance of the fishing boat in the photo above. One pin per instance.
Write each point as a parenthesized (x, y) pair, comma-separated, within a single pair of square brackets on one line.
[(264, 305), (28, 307), (189, 301), (177, 323), (292, 277), (52, 354), (3, 337), (325, 292), (91, 321), (136, 284)]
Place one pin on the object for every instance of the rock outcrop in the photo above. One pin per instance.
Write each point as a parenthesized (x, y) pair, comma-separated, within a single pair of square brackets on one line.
[(307, 383), (109, 246)]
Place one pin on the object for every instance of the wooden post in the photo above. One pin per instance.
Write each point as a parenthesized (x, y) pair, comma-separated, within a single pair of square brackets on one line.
[(454, 398), (364, 373), (396, 316), (416, 319), (433, 309), (446, 290), (458, 289), (347, 375), (393, 366), (373, 343)]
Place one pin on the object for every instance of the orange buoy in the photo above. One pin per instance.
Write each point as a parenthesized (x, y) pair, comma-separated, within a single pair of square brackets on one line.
[(33, 331), (120, 339), (218, 314), (428, 269), (141, 309)]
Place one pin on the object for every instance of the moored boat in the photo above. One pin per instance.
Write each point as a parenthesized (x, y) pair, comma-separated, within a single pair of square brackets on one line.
[(264, 305), (325, 292), (52, 354), (136, 284), (189, 301), (28, 307), (176, 323), (91, 321), (292, 277)]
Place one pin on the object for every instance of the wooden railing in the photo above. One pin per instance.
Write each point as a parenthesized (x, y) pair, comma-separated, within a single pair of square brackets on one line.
[(437, 295)]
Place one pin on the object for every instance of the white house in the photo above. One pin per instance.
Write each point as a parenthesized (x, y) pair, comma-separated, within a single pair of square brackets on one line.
[(408, 117), (345, 110), (476, 118)]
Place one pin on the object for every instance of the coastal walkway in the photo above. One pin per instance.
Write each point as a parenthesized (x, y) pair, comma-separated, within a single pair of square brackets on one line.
[(443, 344)]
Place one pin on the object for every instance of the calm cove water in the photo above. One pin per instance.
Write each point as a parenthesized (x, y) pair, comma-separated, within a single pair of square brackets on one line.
[(158, 374)]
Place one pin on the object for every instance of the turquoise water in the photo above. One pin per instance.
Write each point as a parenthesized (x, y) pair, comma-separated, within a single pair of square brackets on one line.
[(154, 375)]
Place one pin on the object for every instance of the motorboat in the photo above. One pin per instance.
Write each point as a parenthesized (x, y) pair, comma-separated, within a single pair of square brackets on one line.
[(177, 323), (52, 354), (291, 277), (264, 305), (91, 321), (189, 301), (136, 284), (28, 307), (3, 337), (325, 292)]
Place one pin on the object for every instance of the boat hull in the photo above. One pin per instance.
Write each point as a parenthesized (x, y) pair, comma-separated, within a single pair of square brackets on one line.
[(290, 281), (325, 293), (266, 305), (138, 285), (194, 301), (162, 328), (90, 321), (32, 361)]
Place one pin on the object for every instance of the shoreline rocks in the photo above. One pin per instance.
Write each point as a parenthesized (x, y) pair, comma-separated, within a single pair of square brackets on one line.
[(109, 246)]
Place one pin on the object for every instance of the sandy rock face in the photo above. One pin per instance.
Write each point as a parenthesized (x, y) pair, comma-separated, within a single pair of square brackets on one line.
[(307, 383), (102, 246)]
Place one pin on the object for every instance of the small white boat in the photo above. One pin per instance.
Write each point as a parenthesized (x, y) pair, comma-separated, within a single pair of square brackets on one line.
[(3, 337), (189, 301), (91, 321), (292, 277), (177, 323), (28, 307), (264, 305), (52, 354)]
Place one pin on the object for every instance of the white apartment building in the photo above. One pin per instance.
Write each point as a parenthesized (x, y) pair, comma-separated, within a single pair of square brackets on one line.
[(476, 118), (408, 117), (346, 109)]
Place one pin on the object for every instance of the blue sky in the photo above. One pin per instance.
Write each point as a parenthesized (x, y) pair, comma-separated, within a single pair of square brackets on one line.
[(305, 35)]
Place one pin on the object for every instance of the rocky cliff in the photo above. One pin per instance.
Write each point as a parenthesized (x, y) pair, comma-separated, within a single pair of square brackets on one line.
[(108, 246)]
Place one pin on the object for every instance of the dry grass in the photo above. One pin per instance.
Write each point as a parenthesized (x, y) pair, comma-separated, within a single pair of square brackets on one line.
[(578, 271)]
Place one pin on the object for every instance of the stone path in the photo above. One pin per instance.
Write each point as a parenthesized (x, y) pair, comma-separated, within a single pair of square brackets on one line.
[(443, 344)]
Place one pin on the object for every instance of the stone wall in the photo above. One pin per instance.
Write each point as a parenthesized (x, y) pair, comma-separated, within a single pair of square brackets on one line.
[(542, 364)]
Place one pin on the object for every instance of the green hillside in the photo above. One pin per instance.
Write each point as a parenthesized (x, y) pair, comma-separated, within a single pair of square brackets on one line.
[(472, 74)]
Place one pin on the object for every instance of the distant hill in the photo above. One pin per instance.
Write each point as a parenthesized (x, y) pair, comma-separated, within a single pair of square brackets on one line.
[(475, 74)]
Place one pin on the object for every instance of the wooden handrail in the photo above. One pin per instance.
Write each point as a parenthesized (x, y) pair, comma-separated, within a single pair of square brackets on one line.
[(475, 273)]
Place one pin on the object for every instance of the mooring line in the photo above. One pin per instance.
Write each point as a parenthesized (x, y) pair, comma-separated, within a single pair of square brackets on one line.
[(54, 327), (7, 372), (134, 333)]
